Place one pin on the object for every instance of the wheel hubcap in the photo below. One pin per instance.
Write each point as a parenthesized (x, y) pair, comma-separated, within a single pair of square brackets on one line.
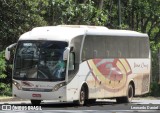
[(82, 96)]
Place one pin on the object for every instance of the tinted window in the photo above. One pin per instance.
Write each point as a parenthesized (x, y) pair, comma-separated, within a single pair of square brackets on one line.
[(115, 47)]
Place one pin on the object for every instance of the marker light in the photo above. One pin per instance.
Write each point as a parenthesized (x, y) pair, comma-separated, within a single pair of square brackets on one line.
[(17, 85), (56, 87)]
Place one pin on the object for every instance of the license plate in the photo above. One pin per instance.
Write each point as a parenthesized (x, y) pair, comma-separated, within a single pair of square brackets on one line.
[(36, 95)]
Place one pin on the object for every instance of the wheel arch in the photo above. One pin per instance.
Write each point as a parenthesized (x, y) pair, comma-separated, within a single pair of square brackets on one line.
[(133, 85), (83, 87), (84, 84)]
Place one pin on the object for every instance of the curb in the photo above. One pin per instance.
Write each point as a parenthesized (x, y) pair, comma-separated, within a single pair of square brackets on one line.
[(6, 99)]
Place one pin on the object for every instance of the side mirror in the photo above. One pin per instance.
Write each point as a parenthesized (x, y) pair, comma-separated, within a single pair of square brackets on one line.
[(8, 51), (7, 54), (66, 53)]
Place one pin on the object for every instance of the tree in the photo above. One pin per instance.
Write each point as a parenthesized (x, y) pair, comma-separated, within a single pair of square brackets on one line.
[(19, 16), (75, 12), (4, 87)]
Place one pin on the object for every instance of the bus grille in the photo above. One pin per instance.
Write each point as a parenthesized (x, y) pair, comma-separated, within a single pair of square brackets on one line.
[(37, 89)]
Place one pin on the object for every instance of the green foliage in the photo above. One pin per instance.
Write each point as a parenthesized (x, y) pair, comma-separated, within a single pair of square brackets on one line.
[(155, 89), (71, 12), (19, 16), (5, 89), (2, 65), (154, 52)]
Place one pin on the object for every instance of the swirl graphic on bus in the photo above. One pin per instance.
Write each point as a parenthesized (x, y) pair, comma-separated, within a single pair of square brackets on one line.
[(112, 72)]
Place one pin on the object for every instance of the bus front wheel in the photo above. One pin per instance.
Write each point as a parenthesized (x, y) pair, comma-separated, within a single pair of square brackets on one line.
[(36, 102), (82, 97)]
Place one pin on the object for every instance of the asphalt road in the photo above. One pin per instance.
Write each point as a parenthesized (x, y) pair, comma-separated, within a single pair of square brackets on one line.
[(100, 106)]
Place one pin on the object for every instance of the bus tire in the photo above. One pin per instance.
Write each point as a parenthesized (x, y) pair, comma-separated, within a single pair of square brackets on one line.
[(82, 97), (129, 97), (130, 94), (36, 102)]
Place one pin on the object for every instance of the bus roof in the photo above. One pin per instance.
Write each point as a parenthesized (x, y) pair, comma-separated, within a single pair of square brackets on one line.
[(68, 32)]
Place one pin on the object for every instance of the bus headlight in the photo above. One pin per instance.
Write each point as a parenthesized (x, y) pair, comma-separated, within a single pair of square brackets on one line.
[(17, 85), (56, 87)]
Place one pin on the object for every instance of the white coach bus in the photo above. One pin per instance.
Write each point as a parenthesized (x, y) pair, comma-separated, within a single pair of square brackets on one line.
[(77, 63)]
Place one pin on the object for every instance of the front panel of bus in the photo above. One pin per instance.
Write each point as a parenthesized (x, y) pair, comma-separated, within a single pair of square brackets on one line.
[(39, 70)]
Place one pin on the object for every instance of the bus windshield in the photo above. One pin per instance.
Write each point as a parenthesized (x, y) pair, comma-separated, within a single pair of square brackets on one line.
[(40, 60)]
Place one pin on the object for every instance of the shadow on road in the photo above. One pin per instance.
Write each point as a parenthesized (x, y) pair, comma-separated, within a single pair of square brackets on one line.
[(98, 105), (72, 105)]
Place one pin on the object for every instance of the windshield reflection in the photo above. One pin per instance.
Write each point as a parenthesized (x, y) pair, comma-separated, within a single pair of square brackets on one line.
[(40, 60)]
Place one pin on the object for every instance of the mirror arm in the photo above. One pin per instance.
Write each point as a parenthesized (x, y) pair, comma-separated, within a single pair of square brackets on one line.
[(11, 46)]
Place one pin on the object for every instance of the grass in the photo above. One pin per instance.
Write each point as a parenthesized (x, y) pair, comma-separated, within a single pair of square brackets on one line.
[(5, 97)]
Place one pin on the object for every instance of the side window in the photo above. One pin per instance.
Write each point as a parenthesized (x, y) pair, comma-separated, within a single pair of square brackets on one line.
[(111, 47), (99, 46), (74, 56), (114, 47), (134, 48), (87, 52), (122, 47), (144, 47)]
